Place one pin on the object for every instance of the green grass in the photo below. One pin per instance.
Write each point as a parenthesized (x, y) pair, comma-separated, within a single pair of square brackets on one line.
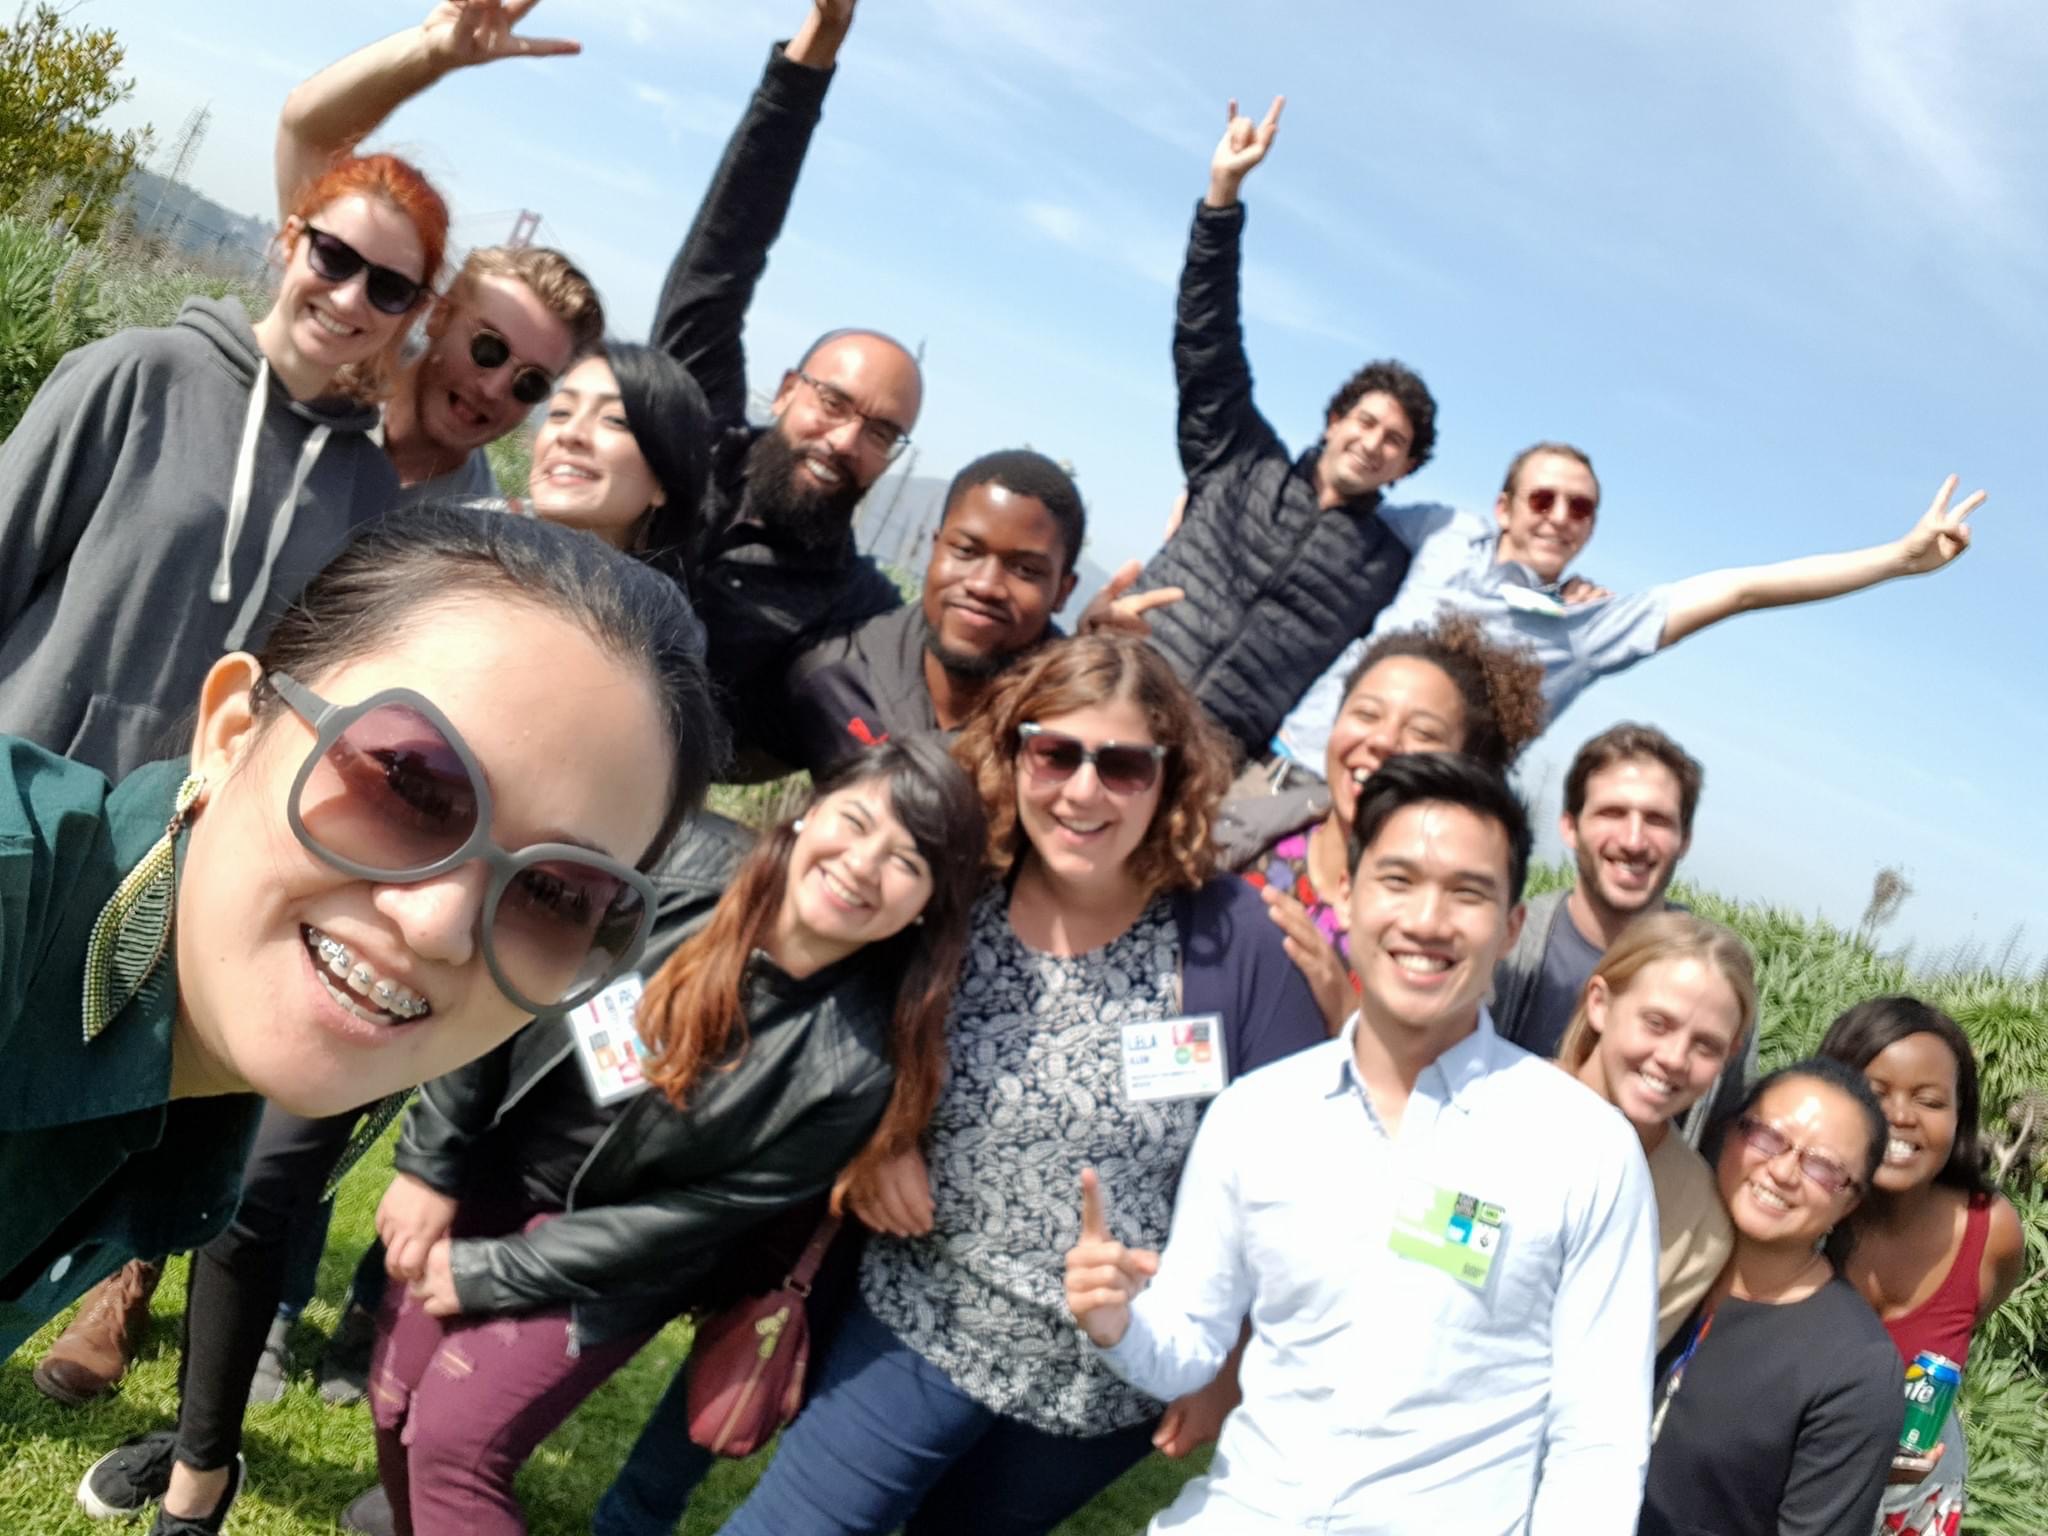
[(307, 1460)]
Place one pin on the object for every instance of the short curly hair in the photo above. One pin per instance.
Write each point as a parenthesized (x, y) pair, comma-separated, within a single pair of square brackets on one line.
[(1177, 852), (1395, 378), (1501, 685)]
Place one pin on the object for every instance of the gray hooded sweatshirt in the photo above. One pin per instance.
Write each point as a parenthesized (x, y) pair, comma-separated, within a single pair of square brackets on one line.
[(161, 501)]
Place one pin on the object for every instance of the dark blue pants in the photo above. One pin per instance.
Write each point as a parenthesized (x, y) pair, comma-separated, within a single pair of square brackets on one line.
[(888, 1440), (653, 1488)]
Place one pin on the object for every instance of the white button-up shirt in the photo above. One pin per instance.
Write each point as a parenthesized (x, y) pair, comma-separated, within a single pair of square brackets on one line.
[(1382, 1394)]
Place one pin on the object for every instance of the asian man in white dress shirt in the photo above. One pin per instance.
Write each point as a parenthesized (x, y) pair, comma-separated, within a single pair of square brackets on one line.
[(1446, 1249)]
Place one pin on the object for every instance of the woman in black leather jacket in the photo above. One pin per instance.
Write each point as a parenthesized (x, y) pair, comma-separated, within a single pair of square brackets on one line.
[(557, 1201)]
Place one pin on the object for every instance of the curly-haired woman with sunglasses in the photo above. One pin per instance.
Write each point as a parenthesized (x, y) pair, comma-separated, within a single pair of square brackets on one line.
[(1115, 982), (169, 489), (417, 819), (1778, 1403), (549, 1228)]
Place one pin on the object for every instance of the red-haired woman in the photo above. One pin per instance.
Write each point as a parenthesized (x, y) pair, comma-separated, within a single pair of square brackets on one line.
[(548, 1231), (169, 489), (1116, 981)]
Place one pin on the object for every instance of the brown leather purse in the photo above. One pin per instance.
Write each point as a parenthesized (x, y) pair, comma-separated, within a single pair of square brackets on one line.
[(747, 1362)]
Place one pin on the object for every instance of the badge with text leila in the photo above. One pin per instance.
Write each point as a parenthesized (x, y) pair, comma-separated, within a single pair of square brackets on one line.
[(1458, 1234), (608, 1047), (1174, 1058)]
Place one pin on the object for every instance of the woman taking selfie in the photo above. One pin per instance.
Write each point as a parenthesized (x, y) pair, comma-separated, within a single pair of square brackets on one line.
[(1778, 1403), (1667, 1006), (549, 1230), (1935, 1250), (957, 1395), (1446, 688), (169, 489), (414, 822)]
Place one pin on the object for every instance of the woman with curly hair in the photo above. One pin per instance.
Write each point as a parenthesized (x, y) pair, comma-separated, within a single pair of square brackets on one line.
[(957, 1394), (1446, 688)]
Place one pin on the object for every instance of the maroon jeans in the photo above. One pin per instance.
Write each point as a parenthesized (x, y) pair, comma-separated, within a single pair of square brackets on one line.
[(461, 1402)]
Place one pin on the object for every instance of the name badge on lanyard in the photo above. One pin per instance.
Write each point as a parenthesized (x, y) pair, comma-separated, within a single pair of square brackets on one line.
[(1174, 1058), (608, 1047)]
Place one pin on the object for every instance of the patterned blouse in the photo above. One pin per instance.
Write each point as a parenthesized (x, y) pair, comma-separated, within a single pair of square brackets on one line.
[(1285, 868), (1034, 1095)]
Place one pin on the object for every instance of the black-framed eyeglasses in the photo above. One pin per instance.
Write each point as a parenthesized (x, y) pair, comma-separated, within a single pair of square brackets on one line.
[(1770, 1143), (490, 351), (878, 433), (390, 792), (1053, 757), (387, 289)]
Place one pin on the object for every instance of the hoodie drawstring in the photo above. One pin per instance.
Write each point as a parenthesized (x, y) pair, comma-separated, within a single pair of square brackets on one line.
[(222, 588)]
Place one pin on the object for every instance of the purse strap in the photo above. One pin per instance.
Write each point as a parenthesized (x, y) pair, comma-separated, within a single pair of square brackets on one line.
[(813, 1256)]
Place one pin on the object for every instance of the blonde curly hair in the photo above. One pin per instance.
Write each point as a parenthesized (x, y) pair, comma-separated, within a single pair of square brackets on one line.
[(1176, 852)]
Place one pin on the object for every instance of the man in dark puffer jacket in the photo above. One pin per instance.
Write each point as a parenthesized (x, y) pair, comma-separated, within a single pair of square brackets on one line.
[(1281, 560)]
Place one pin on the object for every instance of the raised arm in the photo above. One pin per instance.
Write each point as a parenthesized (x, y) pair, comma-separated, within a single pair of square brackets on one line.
[(1217, 418), (1936, 540), (336, 109), (703, 309)]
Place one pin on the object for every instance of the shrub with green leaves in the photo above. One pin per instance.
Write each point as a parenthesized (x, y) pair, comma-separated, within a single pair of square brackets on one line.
[(50, 302)]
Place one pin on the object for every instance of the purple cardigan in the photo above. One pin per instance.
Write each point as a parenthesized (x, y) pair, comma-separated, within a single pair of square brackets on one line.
[(1234, 963)]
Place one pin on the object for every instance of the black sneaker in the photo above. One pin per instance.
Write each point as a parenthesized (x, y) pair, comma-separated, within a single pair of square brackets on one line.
[(168, 1524), (370, 1514), (129, 1478), (345, 1368)]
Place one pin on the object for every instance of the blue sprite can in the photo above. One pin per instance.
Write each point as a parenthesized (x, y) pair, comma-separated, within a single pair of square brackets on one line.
[(1931, 1384)]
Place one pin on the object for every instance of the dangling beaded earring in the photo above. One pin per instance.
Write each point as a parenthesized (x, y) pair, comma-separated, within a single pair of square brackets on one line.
[(134, 928)]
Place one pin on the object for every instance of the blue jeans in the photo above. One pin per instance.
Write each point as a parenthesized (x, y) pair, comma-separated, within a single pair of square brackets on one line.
[(888, 1440), (653, 1488)]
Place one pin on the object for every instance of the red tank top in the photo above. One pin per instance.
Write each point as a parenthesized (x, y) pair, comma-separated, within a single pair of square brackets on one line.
[(1945, 1320)]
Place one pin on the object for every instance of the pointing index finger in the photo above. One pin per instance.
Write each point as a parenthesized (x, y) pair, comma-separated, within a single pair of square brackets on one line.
[(1094, 1221)]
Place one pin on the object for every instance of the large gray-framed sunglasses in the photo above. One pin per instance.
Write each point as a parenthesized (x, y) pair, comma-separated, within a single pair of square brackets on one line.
[(391, 792)]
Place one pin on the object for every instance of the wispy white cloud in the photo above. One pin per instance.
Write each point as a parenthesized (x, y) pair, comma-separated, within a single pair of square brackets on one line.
[(242, 55), (688, 114)]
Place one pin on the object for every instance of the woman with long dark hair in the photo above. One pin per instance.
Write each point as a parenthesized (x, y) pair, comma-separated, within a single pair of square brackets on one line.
[(1778, 1403), (1116, 981), (548, 1229), (1935, 1249)]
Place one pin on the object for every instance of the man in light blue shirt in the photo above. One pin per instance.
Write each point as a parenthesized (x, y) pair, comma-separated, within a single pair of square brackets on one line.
[(1445, 1248), (1508, 571)]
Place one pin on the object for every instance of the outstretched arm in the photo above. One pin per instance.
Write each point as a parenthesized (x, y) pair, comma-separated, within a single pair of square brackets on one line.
[(702, 313), (1218, 421), (336, 109), (1936, 540)]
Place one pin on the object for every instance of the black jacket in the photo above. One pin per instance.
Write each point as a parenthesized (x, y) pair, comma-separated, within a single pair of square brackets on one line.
[(664, 1194), (757, 598), (1276, 587), (851, 690)]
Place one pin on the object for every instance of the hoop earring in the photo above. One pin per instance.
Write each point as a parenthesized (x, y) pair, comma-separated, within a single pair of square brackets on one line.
[(133, 930)]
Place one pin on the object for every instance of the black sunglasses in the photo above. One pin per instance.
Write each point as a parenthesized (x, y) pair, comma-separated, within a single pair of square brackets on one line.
[(1054, 757), (390, 793), (531, 383), (335, 259)]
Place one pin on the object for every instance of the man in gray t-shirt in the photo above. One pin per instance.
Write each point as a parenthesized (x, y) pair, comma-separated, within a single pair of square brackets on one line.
[(1629, 799)]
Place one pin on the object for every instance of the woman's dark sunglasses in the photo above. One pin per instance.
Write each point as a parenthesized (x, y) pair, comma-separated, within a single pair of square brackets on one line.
[(1770, 1143), (531, 383), (391, 793), (1578, 508), (336, 260), (1053, 758)]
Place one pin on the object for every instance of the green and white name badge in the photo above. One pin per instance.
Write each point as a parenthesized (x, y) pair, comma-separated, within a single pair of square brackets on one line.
[(1174, 1058), (1458, 1234)]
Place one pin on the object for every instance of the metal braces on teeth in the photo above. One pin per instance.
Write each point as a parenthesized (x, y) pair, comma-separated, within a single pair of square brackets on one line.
[(335, 953)]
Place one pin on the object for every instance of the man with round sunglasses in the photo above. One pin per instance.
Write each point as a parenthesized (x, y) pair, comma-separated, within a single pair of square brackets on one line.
[(512, 320), (775, 563), (1510, 573)]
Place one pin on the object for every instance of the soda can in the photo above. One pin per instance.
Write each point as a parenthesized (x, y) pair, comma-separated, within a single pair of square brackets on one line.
[(1931, 1384)]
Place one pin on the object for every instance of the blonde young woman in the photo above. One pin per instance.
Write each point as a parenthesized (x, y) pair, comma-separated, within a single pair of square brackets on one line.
[(1672, 999)]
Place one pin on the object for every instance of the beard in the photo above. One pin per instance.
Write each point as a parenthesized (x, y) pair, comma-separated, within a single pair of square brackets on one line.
[(973, 666), (810, 519), (1631, 905)]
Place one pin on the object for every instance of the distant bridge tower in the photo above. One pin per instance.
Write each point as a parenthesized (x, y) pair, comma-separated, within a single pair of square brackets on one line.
[(523, 229)]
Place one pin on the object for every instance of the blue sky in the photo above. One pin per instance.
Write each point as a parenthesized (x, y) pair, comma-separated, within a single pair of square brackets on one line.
[(1778, 268)]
